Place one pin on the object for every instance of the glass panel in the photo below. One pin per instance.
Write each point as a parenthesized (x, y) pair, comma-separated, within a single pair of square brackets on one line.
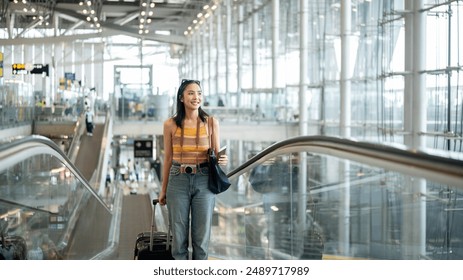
[(342, 209), (43, 210)]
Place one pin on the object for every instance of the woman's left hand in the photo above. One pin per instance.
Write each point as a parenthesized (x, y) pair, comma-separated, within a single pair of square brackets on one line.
[(223, 160)]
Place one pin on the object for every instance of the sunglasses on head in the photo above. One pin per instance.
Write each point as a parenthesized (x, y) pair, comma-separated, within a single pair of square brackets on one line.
[(190, 81)]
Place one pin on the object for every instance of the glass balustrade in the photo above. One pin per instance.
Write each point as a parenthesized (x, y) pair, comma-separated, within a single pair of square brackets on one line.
[(305, 205), (46, 211)]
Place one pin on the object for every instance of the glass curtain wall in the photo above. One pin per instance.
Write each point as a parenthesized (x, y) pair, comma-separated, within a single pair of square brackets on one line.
[(404, 62)]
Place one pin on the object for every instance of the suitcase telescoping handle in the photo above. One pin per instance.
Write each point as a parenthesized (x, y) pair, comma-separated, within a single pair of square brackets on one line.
[(156, 201)]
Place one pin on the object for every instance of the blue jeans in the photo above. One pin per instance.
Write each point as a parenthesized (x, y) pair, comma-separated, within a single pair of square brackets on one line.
[(189, 193)]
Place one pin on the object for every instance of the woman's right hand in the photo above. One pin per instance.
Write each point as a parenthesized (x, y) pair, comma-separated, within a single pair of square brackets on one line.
[(162, 198)]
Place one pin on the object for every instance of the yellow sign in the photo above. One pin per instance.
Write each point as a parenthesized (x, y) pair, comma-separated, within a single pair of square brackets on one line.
[(19, 68), (1, 64), (62, 83)]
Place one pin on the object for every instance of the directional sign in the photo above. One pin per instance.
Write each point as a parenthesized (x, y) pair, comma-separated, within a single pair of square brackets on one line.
[(39, 69), (143, 148), (70, 76), (19, 68)]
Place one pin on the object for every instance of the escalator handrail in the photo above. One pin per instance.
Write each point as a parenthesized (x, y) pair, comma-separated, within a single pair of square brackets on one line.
[(99, 168), (446, 167), (76, 138), (23, 206), (13, 152)]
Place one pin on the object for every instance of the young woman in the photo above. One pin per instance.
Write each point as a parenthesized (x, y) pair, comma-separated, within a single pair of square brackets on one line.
[(185, 173)]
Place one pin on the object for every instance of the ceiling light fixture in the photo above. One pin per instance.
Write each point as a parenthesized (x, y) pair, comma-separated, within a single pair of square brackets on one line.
[(92, 10), (144, 20), (201, 17)]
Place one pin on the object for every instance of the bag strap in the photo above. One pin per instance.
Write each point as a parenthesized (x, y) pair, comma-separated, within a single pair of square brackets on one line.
[(210, 123)]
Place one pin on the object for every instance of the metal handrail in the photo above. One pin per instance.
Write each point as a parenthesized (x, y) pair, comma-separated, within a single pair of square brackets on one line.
[(23, 148), (439, 166)]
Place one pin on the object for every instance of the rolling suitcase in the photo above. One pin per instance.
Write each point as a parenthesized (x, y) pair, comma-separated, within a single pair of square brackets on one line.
[(153, 245)]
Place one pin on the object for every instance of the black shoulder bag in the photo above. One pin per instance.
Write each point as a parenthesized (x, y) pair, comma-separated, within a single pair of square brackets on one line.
[(218, 180)]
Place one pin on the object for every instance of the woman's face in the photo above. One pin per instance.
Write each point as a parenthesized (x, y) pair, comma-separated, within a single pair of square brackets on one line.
[(192, 96)]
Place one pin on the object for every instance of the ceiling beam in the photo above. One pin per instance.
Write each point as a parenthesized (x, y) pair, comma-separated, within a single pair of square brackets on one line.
[(115, 26), (123, 30), (129, 17), (78, 37)]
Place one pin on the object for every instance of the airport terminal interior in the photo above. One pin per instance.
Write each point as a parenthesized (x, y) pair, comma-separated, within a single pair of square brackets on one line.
[(343, 121)]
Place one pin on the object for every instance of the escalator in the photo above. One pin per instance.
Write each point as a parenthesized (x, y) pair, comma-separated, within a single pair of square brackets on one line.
[(316, 197), (47, 201), (89, 152), (302, 198), (53, 201), (70, 134)]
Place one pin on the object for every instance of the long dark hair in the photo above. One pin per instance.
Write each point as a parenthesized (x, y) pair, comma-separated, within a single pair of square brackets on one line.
[(180, 114)]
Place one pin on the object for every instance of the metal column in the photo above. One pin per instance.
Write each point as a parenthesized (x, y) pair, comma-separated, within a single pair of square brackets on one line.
[(345, 123)]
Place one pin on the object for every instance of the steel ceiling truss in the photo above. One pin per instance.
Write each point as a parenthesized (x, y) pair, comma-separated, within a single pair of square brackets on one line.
[(66, 17)]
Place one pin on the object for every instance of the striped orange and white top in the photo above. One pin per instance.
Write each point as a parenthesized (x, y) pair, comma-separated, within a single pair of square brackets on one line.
[(191, 153)]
